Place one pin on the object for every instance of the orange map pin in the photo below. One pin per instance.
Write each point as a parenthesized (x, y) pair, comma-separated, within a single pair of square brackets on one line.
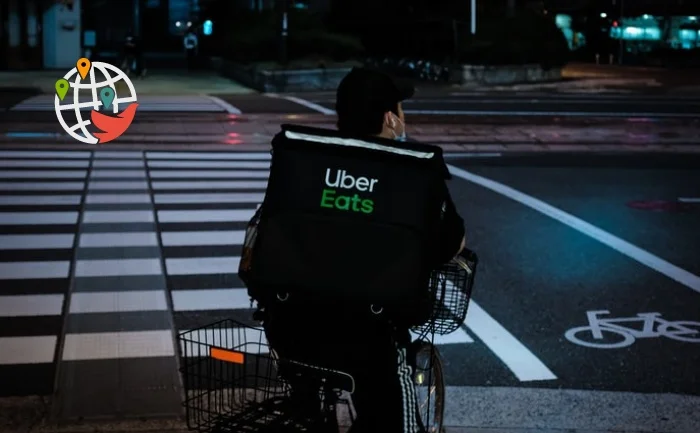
[(83, 66)]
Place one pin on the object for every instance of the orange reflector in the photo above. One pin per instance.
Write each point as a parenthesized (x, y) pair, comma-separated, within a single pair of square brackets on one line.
[(227, 355)]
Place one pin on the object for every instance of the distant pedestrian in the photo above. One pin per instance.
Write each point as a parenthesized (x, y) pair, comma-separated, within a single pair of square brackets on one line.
[(191, 43)]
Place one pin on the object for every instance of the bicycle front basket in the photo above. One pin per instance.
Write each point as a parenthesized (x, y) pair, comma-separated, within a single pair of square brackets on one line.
[(227, 372), (450, 289)]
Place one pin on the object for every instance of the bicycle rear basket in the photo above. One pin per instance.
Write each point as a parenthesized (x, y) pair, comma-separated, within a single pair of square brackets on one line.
[(450, 289), (230, 379)]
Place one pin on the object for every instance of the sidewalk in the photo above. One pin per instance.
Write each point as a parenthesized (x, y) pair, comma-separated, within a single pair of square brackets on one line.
[(156, 83), (29, 414)]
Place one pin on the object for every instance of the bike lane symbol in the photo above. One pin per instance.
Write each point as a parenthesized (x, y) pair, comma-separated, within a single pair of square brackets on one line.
[(612, 333)]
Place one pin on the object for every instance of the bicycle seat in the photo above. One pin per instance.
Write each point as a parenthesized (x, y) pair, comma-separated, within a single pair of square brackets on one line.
[(331, 379)]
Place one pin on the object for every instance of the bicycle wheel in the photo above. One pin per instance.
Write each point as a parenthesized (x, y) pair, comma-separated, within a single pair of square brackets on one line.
[(430, 388)]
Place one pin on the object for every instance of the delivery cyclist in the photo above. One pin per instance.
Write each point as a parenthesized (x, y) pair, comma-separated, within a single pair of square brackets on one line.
[(368, 104)]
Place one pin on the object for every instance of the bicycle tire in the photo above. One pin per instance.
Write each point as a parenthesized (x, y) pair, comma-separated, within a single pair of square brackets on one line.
[(436, 379)]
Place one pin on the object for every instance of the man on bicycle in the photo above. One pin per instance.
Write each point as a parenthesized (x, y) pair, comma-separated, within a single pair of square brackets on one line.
[(326, 331)]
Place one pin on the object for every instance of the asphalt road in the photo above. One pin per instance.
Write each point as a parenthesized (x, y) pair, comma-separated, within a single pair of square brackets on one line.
[(450, 102), (430, 102), (150, 246)]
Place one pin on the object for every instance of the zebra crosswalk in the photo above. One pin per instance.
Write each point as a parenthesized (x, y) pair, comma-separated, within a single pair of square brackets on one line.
[(40, 202), (103, 255)]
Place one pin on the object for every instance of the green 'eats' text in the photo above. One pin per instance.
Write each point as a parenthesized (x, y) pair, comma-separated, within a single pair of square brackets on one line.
[(344, 202), (332, 200)]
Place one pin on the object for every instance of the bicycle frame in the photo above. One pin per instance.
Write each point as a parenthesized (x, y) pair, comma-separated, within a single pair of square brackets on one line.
[(648, 320)]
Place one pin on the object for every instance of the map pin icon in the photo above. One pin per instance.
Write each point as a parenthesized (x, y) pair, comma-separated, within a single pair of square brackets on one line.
[(83, 66), (106, 96), (62, 87)]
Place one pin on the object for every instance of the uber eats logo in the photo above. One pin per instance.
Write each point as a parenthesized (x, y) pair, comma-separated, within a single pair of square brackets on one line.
[(344, 190)]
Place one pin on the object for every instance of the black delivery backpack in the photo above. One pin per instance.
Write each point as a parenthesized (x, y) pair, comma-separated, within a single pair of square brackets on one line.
[(349, 220)]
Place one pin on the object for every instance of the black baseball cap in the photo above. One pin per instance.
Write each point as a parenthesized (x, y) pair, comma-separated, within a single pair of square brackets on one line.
[(365, 89)]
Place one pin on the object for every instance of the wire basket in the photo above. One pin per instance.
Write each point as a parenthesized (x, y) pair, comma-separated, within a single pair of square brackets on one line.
[(230, 380), (450, 290)]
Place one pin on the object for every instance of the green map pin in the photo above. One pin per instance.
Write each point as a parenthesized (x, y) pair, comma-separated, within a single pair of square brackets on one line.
[(62, 87)]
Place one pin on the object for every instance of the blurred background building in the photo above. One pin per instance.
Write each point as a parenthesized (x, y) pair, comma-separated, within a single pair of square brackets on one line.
[(53, 33)]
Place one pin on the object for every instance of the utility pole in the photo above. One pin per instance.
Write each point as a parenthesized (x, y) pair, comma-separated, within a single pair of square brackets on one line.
[(473, 17), (622, 33), (284, 32)]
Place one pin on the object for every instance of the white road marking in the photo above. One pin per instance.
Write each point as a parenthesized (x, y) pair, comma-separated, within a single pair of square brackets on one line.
[(689, 199), (230, 109), (43, 174), (6, 163), (117, 267), (118, 345), (221, 198), (644, 257), (210, 184), (120, 185), (31, 305), (218, 156), (523, 363), (209, 174), (38, 218), (303, 102), (121, 174), (32, 270), (210, 299), (190, 216), (216, 237), (202, 265), (118, 154), (44, 154), (118, 302), (118, 199), (209, 164), (42, 186), (118, 163), (118, 216), (118, 239), (36, 242), (27, 350)]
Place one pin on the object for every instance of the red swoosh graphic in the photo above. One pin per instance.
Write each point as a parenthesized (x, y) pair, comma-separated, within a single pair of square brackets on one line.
[(113, 127)]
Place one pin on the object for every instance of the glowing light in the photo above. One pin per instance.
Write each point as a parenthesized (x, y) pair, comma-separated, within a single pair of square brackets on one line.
[(208, 27)]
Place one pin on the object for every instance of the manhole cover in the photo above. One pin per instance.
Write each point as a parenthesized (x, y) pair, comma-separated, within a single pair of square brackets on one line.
[(661, 205)]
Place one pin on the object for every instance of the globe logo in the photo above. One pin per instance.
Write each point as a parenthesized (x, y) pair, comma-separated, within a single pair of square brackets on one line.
[(90, 90)]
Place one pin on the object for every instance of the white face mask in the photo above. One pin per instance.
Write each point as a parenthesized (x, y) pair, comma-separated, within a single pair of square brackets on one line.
[(402, 136)]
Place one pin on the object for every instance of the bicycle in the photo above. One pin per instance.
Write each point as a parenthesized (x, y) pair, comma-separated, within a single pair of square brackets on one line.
[(235, 382), (686, 331)]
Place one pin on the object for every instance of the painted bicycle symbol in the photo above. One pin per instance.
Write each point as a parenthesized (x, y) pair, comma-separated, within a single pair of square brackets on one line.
[(611, 333)]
